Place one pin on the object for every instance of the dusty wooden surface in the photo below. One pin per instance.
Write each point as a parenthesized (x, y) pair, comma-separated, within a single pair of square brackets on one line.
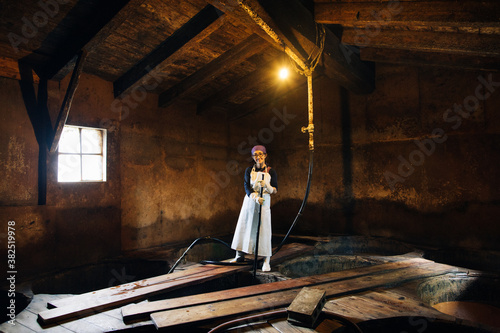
[(202, 313)]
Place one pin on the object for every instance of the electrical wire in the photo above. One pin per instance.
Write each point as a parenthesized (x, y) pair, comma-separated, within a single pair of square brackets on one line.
[(280, 314), (302, 206), (206, 238)]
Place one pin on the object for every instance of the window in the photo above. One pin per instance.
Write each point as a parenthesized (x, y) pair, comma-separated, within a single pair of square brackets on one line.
[(82, 155)]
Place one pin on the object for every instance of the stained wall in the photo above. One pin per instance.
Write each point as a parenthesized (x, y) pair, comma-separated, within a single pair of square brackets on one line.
[(403, 162)]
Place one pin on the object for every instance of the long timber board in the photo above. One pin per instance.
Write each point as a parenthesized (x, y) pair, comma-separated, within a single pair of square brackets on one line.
[(141, 311), (97, 301), (199, 314)]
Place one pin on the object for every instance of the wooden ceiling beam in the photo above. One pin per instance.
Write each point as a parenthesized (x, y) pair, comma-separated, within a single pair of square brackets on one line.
[(254, 79), (292, 24), (196, 29), (238, 111), (9, 68), (97, 16), (127, 12), (68, 100), (457, 43), (457, 14), (244, 50), (420, 58)]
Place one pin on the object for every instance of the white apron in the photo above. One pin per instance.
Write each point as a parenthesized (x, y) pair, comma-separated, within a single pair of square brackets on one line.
[(246, 230)]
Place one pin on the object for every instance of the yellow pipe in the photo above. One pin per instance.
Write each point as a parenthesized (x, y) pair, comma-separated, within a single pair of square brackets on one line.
[(306, 69), (310, 127)]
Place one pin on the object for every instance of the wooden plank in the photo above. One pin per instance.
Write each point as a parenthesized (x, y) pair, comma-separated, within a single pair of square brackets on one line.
[(254, 79), (458, 43), (381, 304), (306, 307), (202, 313), (196, 25), (241, 110), (413, 13), (89, 305), (104, 299), (127, 12), (250, 46), (78, 35), (9, 68), (287, 252), (142, 310), (106, 292), (421, 58), (68, 99)]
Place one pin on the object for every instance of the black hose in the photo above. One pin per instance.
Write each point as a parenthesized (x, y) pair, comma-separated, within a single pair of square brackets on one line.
[(304, 201), (206, 238), (280, 314)]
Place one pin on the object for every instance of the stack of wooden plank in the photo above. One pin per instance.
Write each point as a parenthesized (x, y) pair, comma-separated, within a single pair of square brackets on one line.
[(216, 306), (101, 300), (209, 308)]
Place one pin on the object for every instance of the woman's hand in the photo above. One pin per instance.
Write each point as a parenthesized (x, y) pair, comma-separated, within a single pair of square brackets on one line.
[(255, 197), (258, 185)]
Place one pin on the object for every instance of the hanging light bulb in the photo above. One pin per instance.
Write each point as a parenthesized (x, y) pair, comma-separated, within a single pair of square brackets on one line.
[(284, 73)]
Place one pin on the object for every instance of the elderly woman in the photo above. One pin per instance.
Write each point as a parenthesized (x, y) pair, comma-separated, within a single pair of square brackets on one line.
[(259, 176)]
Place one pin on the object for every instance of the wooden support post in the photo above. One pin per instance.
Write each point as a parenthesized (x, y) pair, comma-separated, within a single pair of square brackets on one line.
[(68, 99)]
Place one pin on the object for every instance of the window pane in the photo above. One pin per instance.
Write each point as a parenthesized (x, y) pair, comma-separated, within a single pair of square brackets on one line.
[(92, 167), (91, 141), (70, 140), (69, 168)]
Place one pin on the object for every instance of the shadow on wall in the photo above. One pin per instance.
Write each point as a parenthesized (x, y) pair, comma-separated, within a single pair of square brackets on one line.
[(449, 228)]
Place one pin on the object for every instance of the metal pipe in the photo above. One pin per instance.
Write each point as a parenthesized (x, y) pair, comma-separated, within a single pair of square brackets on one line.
[(256, 251), (310, 126), (261, 23)]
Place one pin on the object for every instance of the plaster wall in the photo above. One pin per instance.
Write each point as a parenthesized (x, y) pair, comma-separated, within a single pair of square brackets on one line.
[(416, 160), (174, 176), (80, 222)]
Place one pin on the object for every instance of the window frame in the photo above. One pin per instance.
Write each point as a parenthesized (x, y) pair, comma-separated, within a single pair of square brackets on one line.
[(80, 154)]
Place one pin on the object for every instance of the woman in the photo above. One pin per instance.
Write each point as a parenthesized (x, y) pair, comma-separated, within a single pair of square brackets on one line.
[(256, 177)]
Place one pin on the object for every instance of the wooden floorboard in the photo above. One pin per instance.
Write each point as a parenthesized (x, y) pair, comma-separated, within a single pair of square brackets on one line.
[(90, 304), (86, 304), (143, 310), (202, 313)]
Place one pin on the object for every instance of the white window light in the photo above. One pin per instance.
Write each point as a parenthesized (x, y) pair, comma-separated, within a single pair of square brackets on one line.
[(82, 155)]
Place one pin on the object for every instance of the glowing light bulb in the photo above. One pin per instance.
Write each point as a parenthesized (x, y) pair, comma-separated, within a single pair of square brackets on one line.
[(283, 73)]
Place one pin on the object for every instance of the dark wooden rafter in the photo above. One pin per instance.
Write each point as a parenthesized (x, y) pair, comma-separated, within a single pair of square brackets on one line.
[(38, 112), (68, 99), (9, 68), (254, 79), (125, 13), (297, 26), (244, 50), (422, 58), (445, 42), (463, 33), (203, 23), (242, 110), (459, 14), (98, 16)]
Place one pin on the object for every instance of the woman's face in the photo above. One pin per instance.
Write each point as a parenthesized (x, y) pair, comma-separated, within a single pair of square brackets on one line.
[(259, 157)]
